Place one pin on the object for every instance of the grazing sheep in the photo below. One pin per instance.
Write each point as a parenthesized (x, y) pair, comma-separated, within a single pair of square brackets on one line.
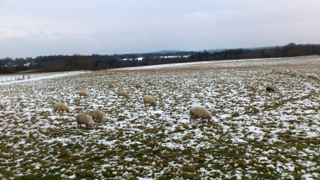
[(83, 118), (150, 100), (167, 81), (111, 85), (139, 85), (244, 75), (121, 93), (99, 115), (199, 112), (84, 93), (77, 85), (151, 83), (270, 88), (1, 105), (311, 76), (52, 88), (60, 107)]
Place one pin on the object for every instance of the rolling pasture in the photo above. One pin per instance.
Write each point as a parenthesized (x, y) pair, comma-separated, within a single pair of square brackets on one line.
[(252, 134)]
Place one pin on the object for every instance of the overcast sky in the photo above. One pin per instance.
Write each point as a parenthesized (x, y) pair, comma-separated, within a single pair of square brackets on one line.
[(29, 28)]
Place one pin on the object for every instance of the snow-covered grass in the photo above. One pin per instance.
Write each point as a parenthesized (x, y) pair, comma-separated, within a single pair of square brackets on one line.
[(253, 134), (19, 78)]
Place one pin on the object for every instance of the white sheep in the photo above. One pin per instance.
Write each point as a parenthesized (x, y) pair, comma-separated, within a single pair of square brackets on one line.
[(1, 105), (121, 93), (199, 112), (150, 100), (84, 93), (52, 88), (60, 107), (310, 76), (77, 85), (270, 88), (83, 118), (138, 85), (244, 75), (99, 115), (151, 83), (167, 81), (111, 85)]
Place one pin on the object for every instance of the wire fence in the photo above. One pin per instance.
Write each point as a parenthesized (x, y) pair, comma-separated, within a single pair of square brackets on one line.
[(24, 76)]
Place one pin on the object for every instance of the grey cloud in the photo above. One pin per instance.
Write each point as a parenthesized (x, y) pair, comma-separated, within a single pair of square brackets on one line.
[(43, 27)]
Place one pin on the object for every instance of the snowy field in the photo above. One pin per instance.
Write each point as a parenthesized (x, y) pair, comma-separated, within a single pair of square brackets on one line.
[(18, 78), (252, 135)]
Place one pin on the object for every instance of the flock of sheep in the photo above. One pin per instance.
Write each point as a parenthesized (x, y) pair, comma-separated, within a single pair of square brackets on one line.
[(100, 117), (82, 118)]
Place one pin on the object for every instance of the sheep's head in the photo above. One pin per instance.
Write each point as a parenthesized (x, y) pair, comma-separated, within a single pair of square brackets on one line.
[(91, 124), (104, 119), (154, 103)]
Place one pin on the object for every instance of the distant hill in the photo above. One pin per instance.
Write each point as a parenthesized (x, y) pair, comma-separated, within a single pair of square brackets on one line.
[(210, 50), (255, 48), (215, 50), (96, 62), (165, 52)]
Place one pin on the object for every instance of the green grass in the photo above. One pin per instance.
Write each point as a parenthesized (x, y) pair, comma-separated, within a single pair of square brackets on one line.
[(252, 135)]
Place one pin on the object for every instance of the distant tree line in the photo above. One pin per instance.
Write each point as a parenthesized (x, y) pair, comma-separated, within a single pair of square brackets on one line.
[(289, 50), (97, 62)]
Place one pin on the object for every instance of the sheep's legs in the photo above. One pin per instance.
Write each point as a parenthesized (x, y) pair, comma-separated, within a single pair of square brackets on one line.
[(79, 125), (192, 118)]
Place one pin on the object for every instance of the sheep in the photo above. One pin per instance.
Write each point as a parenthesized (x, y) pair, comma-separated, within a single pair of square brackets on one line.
[(311, 76), (84, 93), (244, 75), (199, 112), (83, 118), (111, 85), (270, 88), (138, 85), (150, 100), (99, 115), (60, 107), (1, 105), (151, 83), (52, 88), (167, 81), (121, 93), (77, 85)]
